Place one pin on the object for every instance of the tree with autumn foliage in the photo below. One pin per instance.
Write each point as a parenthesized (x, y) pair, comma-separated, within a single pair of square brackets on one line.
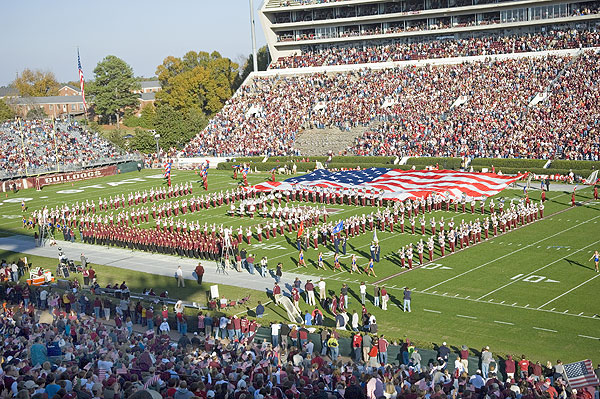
[(36, 83)]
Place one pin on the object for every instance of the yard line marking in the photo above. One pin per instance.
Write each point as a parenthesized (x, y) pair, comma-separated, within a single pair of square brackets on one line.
[(432, 311), (552, 309), (456, 295), (502, 302), (537, 270), (587, 336), (508, 254), (544, 329), (504, 322), (466, 317), (514, 305), (468, 296), (566, 311), (527, 305), (580, 314), (565, 293)]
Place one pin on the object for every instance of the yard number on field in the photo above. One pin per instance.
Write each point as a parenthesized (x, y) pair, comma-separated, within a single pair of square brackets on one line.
[(535, 279), (433, 266)]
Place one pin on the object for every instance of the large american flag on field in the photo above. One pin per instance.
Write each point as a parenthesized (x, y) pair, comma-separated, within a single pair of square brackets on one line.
[(81, 84), (400, 184), (581, 374)]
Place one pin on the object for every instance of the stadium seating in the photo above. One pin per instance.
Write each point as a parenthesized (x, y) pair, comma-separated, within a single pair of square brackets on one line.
[(487, 45), (36, 149), (412, 111)]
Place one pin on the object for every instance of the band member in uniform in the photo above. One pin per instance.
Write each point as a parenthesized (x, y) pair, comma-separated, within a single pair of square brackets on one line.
[(442, 243), (430, 246)]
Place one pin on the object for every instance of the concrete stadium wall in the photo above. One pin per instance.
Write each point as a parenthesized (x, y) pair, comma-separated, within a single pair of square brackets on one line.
[(403, 64)]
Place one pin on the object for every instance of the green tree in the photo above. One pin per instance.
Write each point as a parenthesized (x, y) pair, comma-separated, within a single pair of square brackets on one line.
[(264, 59), (116, 137), (147, 117), (5, 111), (36, 83), (143, 141), (195, 121), (199, 81), (36, 113), (113, 87), (170, 125)]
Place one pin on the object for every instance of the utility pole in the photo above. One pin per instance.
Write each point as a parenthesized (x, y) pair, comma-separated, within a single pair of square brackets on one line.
[(252, 27)]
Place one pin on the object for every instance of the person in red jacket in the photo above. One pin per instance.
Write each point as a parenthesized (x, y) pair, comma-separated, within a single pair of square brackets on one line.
[(509, 367), (524, 367)]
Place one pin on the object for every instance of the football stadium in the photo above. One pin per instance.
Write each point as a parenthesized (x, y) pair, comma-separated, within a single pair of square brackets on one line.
[(403, 203)]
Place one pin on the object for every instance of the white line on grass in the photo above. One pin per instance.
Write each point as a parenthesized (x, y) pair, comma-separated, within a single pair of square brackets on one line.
[(504, 322), (508, 254), (432, 311), (514, 305), (536, 270), (565, 293), (466, 317), (587, 336), (544, 329)]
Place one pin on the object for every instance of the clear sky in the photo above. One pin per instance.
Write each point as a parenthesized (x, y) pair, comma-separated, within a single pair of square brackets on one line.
[(44, 34)]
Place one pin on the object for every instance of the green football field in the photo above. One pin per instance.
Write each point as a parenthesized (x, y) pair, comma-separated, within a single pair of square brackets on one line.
[(530, 291)]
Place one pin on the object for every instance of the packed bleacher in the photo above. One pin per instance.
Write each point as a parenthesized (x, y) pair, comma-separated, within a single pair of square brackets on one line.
[(35, 148), (70, 343), (555, 39), (410, 110), (496, 120)]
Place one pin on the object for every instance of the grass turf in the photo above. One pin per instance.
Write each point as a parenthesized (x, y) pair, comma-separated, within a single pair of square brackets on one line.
[(529, 291)]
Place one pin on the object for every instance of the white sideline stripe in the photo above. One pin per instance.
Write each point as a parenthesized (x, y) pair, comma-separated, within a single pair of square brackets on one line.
[(587, 336), (466, 317), (535, 271), (509, 254), (565, 293), (504, 322), (432, 311), (544, 329)]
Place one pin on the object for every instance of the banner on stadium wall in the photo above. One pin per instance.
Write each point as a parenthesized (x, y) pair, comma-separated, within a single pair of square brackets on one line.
[(57, 178)]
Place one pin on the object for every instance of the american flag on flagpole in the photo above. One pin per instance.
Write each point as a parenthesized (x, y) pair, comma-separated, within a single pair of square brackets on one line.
[(581, 374), (167, 168), (396, 184), (81, 81)]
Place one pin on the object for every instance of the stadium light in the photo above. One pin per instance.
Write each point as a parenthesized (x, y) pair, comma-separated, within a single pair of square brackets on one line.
[(252, 26)]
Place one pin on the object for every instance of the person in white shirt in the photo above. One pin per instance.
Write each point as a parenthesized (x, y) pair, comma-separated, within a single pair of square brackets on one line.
[(363, 292), (164, 326), (354, 321), (43, 299), (322, 290)]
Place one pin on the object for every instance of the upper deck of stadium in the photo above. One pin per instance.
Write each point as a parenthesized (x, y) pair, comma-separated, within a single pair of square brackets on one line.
[(293, 27)]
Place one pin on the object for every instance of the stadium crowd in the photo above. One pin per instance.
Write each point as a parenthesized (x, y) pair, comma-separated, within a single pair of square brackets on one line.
[(57, 346), (39, 146), (411, 110), (494, 121), (488, 45)]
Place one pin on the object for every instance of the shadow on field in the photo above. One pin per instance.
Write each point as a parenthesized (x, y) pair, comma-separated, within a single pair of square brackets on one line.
[(572, 262)]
